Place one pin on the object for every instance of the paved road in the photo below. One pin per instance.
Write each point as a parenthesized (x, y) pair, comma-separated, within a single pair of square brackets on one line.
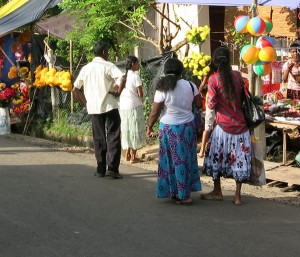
[(51, 205)]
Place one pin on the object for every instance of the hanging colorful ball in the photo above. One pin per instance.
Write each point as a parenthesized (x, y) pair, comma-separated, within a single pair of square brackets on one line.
[(267, 54), (269, 24), (262, 69), (249, 54), (240, 23), (256, 26), (264, 41)]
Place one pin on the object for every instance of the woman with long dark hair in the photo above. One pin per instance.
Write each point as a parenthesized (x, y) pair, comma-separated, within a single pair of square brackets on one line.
[(228, 151), (133, 129), (178, 173)]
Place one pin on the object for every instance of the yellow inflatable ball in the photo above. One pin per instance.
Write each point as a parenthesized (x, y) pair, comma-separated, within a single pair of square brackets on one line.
[(267, 54)]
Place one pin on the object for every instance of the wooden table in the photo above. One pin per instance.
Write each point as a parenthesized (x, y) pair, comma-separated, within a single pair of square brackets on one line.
[(286, 128)]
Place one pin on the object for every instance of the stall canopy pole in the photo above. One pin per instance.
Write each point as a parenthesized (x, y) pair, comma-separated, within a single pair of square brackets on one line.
[(71, 72), (1, 49)]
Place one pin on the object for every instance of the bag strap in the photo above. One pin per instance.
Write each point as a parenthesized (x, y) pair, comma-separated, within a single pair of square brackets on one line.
[(193, 93), (192, 87)]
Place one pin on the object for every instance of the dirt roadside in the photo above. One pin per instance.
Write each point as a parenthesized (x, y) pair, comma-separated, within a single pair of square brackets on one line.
[(150, 155)]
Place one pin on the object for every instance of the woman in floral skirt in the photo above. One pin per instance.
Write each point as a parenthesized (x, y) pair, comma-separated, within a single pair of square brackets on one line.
[(228, 151), (178, 173), (133, 128)]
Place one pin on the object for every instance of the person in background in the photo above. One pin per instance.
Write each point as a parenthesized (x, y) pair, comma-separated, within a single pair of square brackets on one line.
[(291, 72), (228, 151), (133, 128), (178, 172), (97, 79), (209, 117)]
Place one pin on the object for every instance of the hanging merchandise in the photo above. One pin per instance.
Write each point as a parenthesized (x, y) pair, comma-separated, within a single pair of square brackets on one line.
[(269, 24), (264, 41), (240, 23), (277, 72), (256, 26), (267, 55), (262, 69), (249, 54)]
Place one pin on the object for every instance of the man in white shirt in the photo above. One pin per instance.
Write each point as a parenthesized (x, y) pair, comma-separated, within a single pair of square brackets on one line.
[(97, 79)]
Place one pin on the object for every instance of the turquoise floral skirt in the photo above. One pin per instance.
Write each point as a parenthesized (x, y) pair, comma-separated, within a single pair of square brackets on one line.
[(178, 172)]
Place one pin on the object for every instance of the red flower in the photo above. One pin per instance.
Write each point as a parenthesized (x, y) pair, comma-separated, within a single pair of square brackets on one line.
[(233, 159), (9, 93)]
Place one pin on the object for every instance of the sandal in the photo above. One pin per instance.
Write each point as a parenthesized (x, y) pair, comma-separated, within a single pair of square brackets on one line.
[(210, 197), (184, 201)]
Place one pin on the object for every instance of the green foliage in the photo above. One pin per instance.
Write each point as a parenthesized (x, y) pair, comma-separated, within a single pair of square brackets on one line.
[(61, 126), (100, 20), (241, 39)]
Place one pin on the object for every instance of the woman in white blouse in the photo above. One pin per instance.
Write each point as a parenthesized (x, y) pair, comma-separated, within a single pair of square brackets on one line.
[(133, 128), (178, 172)]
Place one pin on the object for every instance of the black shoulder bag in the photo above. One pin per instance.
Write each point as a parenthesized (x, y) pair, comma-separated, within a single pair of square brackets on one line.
[(254, 115)]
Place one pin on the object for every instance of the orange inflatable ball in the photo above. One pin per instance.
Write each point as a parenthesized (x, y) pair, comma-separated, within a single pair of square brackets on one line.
[(240, 23), (262, 69), (269, 24), (267, 54), (256, 26), (249, 54)]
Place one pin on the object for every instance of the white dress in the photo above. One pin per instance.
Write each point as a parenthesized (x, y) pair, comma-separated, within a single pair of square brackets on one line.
[(133, 128)]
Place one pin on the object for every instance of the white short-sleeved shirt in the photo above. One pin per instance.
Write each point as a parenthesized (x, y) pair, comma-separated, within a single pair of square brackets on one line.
[(97, 79), (129, 97), (294, 77), (177, 103)]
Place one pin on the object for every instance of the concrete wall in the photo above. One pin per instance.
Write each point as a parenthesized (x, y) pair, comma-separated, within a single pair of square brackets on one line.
[(192, 14)]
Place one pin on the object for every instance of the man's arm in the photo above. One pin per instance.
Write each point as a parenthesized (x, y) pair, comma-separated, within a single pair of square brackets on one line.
[(119, 89), (79, 96)]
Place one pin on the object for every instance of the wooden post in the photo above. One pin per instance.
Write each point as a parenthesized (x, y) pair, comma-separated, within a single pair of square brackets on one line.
[(255, 87), (252, 75), (71, 71), (53, 100), (284, 146)]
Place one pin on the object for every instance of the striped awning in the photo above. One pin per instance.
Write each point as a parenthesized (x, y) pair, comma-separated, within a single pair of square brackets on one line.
[(17, 13)]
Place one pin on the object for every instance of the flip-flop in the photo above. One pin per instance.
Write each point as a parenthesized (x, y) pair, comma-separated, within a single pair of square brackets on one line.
[(210, 197), (183, 203), (136, 161)]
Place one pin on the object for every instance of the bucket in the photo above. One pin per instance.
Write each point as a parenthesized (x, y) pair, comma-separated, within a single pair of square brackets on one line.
[(4, 121)]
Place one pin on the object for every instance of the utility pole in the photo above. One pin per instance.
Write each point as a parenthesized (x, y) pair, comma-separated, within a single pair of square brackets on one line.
[(255, 87)]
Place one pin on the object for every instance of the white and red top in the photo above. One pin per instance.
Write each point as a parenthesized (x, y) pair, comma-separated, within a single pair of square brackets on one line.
[(230, 117)]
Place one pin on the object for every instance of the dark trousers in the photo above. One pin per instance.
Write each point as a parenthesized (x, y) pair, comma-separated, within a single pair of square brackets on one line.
[(107, 140)]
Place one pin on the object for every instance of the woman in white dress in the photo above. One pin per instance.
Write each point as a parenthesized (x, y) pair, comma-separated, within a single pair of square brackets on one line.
[(133, 128)]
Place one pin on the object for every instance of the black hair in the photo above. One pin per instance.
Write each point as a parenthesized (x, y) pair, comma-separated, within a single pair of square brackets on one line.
[(221, 59), (99, 48), (131, 59), (173, 69)]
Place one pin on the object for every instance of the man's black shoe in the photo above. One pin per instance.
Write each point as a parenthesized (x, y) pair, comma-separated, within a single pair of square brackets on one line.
[(114, 175), (97, 174)]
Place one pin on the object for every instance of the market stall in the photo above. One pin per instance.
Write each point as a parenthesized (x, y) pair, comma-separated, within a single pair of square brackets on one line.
[(25, 61)]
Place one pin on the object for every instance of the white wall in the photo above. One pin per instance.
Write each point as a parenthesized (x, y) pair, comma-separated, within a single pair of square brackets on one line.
[(194, 15)]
